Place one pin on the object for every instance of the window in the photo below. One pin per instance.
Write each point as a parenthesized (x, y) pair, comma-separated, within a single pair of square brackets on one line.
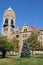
[(25, 35), (6, 21), (25, 30), (24, 41), (17, 36), (12, 21)]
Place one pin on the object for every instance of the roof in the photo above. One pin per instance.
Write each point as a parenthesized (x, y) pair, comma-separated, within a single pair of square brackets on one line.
[(41, 29), (9, 11), (31, 28), (34, 29), (9, 8)]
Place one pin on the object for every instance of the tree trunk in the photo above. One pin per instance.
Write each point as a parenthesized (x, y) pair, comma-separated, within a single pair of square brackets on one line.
[(3, 53)]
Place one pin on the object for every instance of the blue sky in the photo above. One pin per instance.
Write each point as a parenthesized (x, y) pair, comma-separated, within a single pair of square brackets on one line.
[(27, 11)]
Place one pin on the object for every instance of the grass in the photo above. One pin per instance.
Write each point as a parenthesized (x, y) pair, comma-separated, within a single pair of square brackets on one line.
[(14, 60)]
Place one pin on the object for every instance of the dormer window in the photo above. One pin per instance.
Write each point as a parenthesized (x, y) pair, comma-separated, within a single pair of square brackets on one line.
[(25, 30)]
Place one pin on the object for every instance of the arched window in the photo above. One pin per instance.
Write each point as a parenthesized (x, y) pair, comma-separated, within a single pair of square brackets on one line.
[(12, 22), (25, 30), (6, 21)]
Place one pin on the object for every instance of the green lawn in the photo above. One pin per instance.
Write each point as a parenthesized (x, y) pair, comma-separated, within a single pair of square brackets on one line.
[(14, 60)]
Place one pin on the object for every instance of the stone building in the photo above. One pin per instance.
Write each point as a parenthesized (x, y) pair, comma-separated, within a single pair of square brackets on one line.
[(9, 28)]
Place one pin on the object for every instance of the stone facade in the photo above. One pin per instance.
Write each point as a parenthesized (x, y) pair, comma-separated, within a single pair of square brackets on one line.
[(9, 29), (8, 26)]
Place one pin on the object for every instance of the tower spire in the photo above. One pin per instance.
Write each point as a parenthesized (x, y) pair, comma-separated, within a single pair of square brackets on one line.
[(9, 8)]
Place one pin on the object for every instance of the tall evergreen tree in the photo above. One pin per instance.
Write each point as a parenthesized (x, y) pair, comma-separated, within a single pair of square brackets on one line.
[(25, 52)]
